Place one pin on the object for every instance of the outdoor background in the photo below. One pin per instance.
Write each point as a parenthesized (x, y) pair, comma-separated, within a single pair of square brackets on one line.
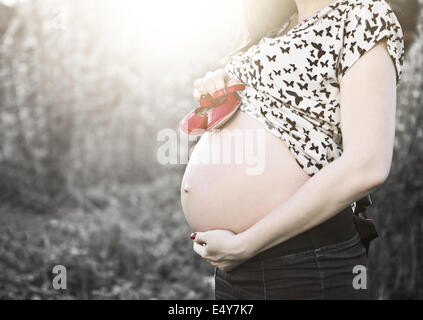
[(85, 86)]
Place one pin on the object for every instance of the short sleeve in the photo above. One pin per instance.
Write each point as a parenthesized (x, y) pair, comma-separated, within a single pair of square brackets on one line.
[(366, 23)]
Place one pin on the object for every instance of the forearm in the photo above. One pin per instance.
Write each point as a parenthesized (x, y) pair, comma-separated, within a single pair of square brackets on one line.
[(329, 191)]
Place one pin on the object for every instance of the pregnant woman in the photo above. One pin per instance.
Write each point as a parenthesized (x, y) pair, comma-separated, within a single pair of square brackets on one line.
[(319, 109)]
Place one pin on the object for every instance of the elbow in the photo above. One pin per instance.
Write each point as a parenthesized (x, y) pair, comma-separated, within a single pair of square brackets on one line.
[(370, 180), (377, 177), (369, 174)]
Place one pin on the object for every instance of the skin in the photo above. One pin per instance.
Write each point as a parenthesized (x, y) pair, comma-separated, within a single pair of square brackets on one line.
[(368, 106)]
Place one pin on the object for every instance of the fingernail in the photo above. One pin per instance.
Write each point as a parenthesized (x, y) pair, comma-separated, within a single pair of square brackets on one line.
[(193, 235)]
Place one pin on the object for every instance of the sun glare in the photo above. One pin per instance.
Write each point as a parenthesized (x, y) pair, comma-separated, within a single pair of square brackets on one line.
[(164, 27), (159, 33)]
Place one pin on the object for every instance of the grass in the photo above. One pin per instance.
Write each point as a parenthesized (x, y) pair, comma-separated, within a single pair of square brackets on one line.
[(132, 244)]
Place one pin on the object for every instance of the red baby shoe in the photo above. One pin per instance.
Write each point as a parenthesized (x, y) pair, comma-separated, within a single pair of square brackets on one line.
[(195, 123), (213, 111), (222, 113)]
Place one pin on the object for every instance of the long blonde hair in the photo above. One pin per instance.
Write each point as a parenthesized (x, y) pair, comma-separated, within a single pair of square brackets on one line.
[(263, 18)]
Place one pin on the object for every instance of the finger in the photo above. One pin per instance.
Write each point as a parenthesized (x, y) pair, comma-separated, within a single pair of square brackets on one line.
[(219, 80), (232, 82), (199, 249), (196, 94), (226, 77), (200, 238), (222, 74), (224, 266), (199, 85), (220, 265), (209, 82)]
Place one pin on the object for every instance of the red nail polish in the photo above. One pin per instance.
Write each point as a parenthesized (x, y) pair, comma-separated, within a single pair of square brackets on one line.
[(193, 235)]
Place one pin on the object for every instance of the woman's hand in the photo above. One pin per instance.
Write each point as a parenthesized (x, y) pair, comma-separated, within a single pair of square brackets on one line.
[(212, 82), (222, 248)]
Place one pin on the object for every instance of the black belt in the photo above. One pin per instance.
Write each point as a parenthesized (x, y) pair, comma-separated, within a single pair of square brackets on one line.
[(341, 227)]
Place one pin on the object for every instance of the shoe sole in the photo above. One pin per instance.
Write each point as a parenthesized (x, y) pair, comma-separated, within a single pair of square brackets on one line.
[(192, 133)]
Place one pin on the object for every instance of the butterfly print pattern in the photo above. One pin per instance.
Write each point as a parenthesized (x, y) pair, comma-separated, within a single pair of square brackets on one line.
[(293, 78)]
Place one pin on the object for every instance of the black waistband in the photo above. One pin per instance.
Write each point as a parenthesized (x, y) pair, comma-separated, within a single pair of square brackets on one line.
[(339, 228)]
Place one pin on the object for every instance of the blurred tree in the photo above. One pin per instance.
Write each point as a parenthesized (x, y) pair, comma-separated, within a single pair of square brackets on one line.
[(6, 14), (397, 259), (74, 109)]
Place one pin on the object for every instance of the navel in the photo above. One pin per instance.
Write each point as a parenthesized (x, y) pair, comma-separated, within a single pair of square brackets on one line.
[(186, 188)]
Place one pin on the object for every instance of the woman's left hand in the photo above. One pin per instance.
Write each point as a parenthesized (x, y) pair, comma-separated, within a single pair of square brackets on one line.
[(222, 248)]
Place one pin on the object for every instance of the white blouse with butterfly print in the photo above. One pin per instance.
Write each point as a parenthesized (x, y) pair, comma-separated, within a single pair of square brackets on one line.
[(292, 79)]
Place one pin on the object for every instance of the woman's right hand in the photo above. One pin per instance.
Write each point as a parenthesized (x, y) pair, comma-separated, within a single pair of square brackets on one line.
[(212, 82)]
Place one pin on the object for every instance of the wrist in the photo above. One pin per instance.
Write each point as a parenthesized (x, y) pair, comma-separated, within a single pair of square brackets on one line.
[(245, 244)]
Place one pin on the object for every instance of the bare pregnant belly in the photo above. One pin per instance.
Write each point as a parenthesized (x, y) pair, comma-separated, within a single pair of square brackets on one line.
[(236, 175)]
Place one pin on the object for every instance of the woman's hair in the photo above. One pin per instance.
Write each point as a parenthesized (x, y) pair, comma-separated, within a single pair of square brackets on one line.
[(262, 18)]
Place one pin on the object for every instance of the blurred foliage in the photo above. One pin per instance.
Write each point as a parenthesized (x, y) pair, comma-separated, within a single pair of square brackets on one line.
[(397, 262), (122, 249), (80, 184), (78, 124)]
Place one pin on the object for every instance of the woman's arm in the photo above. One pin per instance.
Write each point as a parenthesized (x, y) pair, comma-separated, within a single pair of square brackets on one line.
[(368, 103)]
